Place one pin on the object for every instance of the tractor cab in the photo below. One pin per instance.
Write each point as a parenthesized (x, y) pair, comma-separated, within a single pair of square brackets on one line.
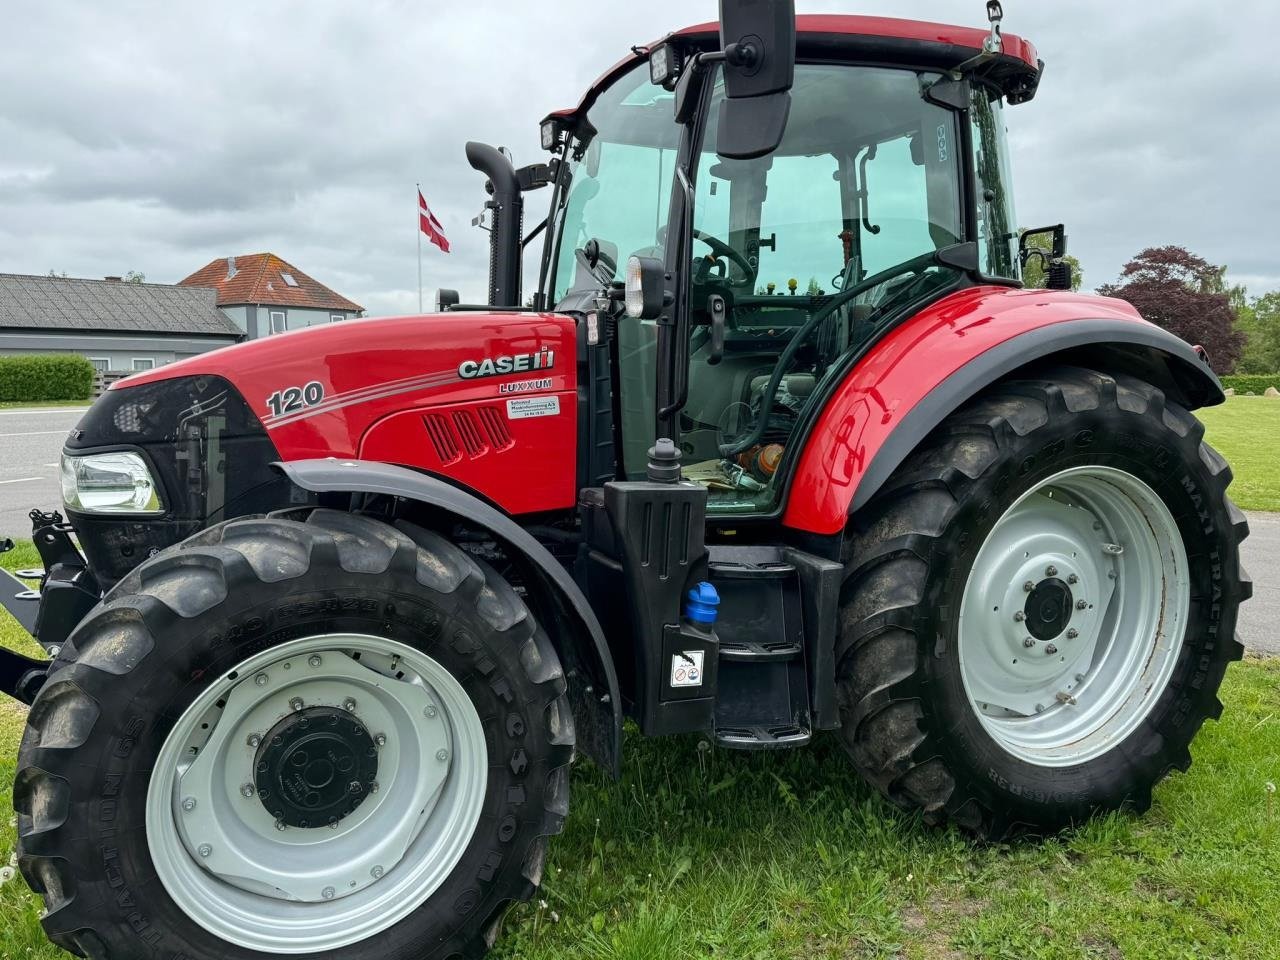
[(888, 186)]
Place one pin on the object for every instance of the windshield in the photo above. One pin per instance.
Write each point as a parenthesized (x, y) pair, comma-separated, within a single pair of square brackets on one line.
[(619, 185)]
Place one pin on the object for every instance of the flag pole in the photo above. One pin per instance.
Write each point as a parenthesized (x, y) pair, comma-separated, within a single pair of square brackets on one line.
[(416, 222)]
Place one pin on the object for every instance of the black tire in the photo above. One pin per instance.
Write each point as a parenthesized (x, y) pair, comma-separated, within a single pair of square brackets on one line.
[(194, 612), (906, 720)]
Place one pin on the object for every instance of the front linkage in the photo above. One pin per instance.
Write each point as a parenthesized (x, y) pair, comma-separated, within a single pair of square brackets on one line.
[(68, 590)]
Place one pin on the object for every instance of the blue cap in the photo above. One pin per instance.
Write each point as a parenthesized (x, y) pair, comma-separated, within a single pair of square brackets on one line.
[(703, 600)]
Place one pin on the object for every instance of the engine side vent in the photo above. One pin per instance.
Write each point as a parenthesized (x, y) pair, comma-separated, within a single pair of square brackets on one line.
[(469, 430), (496, 428), (442, 438)]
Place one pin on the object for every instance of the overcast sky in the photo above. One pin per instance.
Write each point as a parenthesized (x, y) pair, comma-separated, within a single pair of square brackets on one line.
[(157, 136)]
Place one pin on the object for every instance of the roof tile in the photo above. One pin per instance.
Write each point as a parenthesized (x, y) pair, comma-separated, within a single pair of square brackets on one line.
[(257, 280)]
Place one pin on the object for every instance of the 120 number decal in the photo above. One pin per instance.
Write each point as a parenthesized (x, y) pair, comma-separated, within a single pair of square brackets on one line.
[(293, 399)]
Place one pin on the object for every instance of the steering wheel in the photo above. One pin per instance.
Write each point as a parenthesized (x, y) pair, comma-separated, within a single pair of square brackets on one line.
[(723, 249)]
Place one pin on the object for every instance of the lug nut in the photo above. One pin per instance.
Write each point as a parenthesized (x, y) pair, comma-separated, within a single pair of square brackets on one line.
[(327, 893), (354, 787), (204, 850), (280, 825), (260, 679), (349, 705), (442, 754), (376, 872), (1019, 616), (1072, 633), (189, 804), (1073, 579), (1050, 650), (1082, 604), (1028, 586), (1039, 708), (296, 704), (247, 791), (1051, 571), (429, 712), (1028, 642), (253, 740), (373, 787), (380, 739), (314, 660)]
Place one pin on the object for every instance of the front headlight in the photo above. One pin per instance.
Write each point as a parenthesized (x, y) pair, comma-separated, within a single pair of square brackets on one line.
[(109, 483)]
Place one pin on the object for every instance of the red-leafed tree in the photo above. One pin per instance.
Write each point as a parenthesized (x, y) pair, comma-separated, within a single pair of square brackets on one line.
[(1185, 294)]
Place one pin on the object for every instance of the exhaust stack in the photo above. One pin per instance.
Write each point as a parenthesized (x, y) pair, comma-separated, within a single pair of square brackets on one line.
[(507, 205)]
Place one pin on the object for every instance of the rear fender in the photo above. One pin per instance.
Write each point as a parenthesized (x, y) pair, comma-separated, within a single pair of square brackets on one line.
[(927, 367), (583, 652)]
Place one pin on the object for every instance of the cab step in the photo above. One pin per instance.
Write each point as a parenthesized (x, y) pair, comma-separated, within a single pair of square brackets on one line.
[(782, 737), (762, 695)]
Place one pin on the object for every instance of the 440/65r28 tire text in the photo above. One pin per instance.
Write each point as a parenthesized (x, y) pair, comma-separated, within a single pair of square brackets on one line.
[(1040, 605), (308, 735)]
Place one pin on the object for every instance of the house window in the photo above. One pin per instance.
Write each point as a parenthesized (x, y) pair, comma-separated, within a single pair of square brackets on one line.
[(144, 363), (277, 321), (337, 317), (101, 364), (288, 279)]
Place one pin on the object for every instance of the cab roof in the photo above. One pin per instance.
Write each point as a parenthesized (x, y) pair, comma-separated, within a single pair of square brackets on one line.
[(848, 36)]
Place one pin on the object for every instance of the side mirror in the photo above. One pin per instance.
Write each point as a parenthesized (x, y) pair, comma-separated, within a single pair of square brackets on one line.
[(758, 40), (646, 294), (446, 298), (1057, 272)]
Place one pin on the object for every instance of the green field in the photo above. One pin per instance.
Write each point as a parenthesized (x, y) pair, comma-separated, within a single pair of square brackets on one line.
[(709, 853), (1246, 430)]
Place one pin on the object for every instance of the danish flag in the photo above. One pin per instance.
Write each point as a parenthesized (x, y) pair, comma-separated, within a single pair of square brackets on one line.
[(430, 225)]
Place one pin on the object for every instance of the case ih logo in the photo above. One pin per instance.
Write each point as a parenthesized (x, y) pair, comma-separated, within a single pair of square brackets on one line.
[(544, 359)]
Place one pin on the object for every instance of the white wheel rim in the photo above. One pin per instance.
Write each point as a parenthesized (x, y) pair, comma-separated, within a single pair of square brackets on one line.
[(219, 851), (1064, 697)]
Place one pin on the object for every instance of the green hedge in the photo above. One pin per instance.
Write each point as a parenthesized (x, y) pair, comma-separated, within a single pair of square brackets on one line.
[(1251, 382), (41, 377)]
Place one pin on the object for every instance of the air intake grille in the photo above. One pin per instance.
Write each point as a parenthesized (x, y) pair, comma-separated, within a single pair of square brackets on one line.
[(470, 433), (476, 433), (442, 438), (494, 426)]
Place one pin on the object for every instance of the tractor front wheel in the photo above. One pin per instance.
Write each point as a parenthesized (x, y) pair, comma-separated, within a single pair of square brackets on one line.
[(316, 735), (1041, 605)]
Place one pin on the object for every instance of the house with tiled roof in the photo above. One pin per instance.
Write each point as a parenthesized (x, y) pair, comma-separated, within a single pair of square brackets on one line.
[(263, 294), (122, 327)]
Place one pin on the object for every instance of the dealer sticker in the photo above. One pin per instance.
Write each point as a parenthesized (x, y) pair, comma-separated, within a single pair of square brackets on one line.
[(686, 668), (527, 407)]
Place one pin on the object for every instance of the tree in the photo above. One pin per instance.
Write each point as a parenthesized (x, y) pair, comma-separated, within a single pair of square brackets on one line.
[(1259, 322), (134, 276), (1185, 294), (1033, 272)]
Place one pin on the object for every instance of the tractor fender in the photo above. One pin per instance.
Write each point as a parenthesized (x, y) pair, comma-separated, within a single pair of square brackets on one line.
[(928, 366), (582, 649)]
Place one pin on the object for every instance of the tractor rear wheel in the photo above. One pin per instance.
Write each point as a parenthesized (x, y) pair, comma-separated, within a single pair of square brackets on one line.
[(1041, 605), (321, 735)]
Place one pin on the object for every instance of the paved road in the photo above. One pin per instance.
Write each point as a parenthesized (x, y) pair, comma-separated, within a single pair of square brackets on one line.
[(1260, 617), (31, 442)]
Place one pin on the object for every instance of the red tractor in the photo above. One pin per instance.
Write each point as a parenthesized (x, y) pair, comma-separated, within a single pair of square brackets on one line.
[(782, 446)]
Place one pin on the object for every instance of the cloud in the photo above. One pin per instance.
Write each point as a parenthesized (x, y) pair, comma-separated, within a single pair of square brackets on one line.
[(156, 136)]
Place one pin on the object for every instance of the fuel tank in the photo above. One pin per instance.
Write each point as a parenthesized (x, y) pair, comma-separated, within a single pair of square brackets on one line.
[(486, 399)]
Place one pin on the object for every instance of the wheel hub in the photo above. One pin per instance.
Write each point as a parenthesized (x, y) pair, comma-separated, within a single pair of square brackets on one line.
[(315, 767), (1048, 609)]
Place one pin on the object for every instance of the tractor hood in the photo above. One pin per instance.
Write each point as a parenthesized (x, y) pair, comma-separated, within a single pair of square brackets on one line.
[(334, 381)]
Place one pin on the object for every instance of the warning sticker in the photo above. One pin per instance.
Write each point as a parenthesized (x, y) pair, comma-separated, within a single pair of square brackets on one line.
[(686, 668), (527, 407)]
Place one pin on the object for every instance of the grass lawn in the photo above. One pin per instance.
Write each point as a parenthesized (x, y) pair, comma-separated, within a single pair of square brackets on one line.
[(45, 405), (1246, 430), (709, 853)]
